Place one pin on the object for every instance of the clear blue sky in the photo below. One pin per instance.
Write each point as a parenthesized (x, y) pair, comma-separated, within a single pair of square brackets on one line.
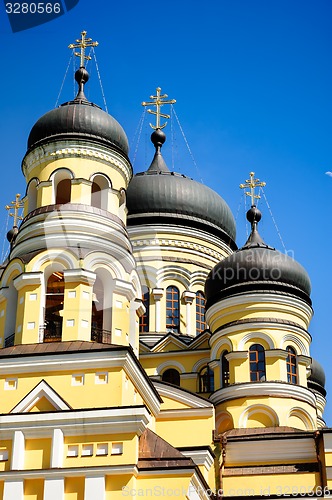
[(252, 80)]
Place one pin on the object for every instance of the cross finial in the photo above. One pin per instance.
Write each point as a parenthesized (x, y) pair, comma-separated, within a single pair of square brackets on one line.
[(158, 100), (15, 205), (252, 183), (82, 44)]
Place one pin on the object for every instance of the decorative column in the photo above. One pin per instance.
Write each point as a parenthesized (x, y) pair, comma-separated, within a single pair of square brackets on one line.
[(188, 298), (29, 307), (94, 488), (54, 488), (157, 295), (18, 451), (57, 448)]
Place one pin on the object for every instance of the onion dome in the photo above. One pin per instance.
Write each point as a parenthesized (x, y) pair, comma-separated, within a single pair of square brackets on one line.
[(316, 380), (79, 119), (159, 195), (257, 267)]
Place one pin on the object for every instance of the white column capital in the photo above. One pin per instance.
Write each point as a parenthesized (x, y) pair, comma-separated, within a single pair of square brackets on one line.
[(25, 279), (157, 293), (188, 297), (79, 275)]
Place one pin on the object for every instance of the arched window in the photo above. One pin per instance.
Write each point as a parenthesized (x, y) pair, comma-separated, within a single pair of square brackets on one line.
[(97, 312), (99, 191), (54, 307), (200, 312), (172, 309), (257, 363), (144, 320), (206, 379), (32, 195), (224, 370), (291, 365), (172, 376), (63, 192)]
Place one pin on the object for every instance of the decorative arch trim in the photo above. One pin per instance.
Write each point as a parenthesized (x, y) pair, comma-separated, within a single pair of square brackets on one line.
[(170, 364), (258, 409), (304, 416), (298, 343), (256, 336)]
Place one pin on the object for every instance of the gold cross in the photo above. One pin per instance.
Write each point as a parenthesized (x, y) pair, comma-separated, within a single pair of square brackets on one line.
[(252, 183), (158, 101), (82, 44), (15, 205)]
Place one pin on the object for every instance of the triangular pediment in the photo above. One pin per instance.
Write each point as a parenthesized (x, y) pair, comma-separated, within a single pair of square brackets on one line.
[(41, 398), (169, 343)]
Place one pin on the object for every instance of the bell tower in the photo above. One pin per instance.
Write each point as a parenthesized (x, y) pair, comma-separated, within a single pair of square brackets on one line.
[(71, 272)]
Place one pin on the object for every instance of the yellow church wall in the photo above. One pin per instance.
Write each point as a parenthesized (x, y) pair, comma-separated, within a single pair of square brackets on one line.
[(37, 453), (27, 319), (5, 445), (117, 486), (44, 170), (78, 392), (74, 488), (227, 314), (163, 486), (180, 431), (81, 191), (268, 411), (33, 489), (270, 484)]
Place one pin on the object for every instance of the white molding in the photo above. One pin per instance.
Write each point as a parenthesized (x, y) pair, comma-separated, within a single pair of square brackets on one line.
[(237, 355), (26, 279), (221, 335), (260, 389), (200, 457), (171, 363), (57, 448), (72, 423), (124, 288), (41, 390), (109, 470), (79, 275), (255, 335), (17, 460), (181, 396)]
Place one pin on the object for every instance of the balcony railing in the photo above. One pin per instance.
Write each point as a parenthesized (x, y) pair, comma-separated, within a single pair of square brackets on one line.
[(9, 341), (50, 334), (102, 336)]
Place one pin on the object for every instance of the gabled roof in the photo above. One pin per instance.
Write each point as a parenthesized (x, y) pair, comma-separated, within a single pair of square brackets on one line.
[(155, 452), (40, 391)]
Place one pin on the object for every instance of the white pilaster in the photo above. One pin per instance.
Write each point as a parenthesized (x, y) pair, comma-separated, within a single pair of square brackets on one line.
[(94, 488), (13, 490), (54, 489), (157, 295), (188, 298), (18, 451), (57, 448)]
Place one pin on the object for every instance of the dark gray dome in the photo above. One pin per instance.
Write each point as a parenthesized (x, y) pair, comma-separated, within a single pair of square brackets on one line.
[(257, 267), (75, 120), (171, 194), (316, 380), (79, 119)]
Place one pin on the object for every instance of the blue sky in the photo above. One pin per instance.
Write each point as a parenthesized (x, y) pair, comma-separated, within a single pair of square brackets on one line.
[(252, 80)]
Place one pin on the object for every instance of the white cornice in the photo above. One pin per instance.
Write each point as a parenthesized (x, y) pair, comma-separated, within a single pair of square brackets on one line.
[(182, 396), (260, 389), (200, 457), (72, 149), (75, 423), (113, 470), (26, 279), (79, 275), (185, 414), (124, 288)]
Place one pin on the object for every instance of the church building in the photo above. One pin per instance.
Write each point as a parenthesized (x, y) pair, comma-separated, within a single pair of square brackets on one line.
[(142, 353)]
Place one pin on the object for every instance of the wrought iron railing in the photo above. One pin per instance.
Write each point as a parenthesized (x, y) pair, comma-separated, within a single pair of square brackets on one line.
[(102, 336), (48, 334), (9, 341)]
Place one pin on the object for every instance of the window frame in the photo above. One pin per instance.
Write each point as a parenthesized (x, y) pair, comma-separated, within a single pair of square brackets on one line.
[(257, 374)]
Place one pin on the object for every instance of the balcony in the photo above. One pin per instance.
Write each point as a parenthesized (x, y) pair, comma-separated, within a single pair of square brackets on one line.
[(9, 341), (101, 336)]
